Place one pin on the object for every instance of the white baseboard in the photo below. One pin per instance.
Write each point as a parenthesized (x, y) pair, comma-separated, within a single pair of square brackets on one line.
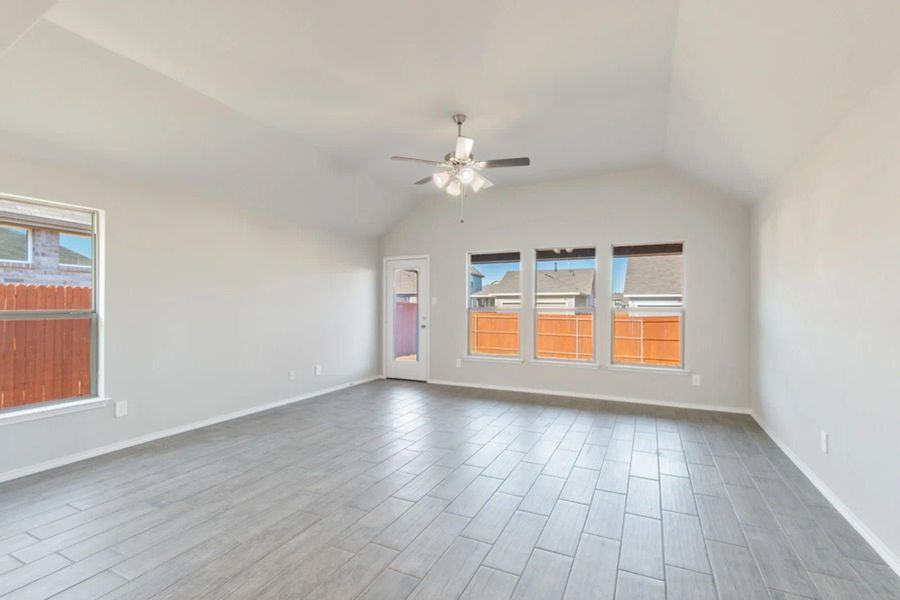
[(666, 403), (79, 456), (880, 547)]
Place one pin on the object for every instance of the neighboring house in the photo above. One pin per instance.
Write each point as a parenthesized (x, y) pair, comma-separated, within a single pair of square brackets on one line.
[(565, 288), (476, 280), (33, 256), (652, 281)]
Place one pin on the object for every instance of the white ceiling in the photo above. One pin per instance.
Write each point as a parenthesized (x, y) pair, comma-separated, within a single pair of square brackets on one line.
[(296, 105)]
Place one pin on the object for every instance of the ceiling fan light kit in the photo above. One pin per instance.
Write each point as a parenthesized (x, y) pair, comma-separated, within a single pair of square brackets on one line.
[(459, 171)]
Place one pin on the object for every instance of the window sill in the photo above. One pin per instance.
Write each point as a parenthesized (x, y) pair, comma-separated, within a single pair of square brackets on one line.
[(649, 369), (498, 359), (20, 415), (578, 364)]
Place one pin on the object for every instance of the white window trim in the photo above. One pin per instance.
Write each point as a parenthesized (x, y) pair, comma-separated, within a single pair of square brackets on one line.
[(509, 358), (99, 399)]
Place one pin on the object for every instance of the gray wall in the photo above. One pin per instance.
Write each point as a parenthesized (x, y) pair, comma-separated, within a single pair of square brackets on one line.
[(634, 206), (208, 306), (826, 247)]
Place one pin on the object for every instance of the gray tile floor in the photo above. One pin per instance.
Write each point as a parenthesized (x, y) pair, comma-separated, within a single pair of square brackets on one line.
[(392, 490)]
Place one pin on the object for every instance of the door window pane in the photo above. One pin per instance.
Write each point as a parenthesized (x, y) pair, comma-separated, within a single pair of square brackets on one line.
[(406, 315)]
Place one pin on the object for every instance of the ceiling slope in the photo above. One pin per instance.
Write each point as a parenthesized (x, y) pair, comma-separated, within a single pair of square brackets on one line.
[(294, 106)]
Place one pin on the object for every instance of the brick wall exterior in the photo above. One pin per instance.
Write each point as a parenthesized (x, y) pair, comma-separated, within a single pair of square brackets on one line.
[(44, 268)]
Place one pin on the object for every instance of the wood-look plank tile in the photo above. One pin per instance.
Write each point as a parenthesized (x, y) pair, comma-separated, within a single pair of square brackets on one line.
[(778, 563), (643, 497), (521, 479), (563, 529), (593, 574), (683, 543), (511, 550), (606, 515), (642, 550), (488, 524), (682, 584), (541, 498), (631, 586), (470, 501), (421, 554), (614, 477), (544, 577), (450, 576), (580, 485), (736, 574), (677, 494), (719, 521), (490, 584)]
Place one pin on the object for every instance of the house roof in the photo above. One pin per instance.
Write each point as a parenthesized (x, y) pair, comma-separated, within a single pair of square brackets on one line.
[(654, 275), (475, 272), (563, 281)]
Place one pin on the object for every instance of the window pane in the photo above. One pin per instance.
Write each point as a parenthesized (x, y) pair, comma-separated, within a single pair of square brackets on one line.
[(649, 275), (13, 243), (406, 315), (565, 335), (564, 281), (75, 250), (43, 360), (495, 295), (494, 280), (495, 333), (59, 274), (647, 338)]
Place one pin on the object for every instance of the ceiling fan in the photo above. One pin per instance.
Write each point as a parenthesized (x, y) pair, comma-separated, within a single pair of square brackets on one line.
[(459, 169)]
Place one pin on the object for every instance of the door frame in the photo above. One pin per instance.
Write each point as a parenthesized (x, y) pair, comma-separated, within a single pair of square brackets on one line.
[(385, 306)]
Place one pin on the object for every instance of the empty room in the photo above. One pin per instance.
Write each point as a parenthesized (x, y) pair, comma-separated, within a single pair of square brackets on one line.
[(585, 299)]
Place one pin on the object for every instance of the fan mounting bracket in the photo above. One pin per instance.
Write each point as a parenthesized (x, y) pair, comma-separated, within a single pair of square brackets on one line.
[(459, 118)]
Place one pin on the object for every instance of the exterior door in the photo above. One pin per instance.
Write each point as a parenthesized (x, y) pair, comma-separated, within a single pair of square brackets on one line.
[(406, 324)]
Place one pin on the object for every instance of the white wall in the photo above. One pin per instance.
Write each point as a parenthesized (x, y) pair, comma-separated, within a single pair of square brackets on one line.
[(634, 206), (208, 305), (826, 255)]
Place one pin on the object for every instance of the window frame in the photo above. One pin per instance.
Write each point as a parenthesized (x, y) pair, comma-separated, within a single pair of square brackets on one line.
[(517, 357), (95, 397), (595, 361), (662, 310), (29, 245)]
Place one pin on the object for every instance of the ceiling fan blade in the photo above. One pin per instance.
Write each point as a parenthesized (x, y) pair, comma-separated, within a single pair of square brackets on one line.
[(424, 180), (463, 147), (434, 163), (503, 162)]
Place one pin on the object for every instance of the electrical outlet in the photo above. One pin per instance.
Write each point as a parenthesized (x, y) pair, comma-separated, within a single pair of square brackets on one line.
[(695, 379), (318, 369), (823, 442), (121, 408), (292, 375), (459, 363)]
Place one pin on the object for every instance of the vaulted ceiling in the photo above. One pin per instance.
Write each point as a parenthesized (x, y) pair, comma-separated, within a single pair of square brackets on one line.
[(295, 105)]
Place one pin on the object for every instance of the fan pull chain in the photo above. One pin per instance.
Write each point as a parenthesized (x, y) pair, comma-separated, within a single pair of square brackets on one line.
[(462, 205)]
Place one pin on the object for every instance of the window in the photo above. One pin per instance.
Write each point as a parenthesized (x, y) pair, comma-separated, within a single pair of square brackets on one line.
[(75, 250), (648, 305), (564, 303), (14, 244), (495, 298), (48, 314), (406, 315)]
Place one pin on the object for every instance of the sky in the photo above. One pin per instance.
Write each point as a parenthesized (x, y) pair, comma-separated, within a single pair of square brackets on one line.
[(76, 243), (494, 271)]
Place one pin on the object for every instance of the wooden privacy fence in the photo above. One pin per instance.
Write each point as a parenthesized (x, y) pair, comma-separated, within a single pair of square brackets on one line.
[(406, 329), (645, 339), (44, 359)]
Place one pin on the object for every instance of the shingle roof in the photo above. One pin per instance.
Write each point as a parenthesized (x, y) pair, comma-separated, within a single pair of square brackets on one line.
[(660, 274), (475, 272), (564, 281)]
